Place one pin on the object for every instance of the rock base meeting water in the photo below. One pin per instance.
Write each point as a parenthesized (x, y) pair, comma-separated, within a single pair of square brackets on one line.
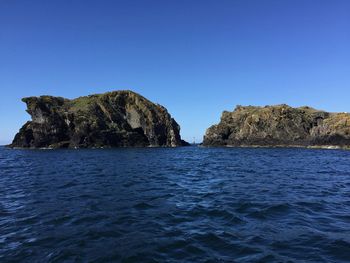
[(280, 126), (114, 119)]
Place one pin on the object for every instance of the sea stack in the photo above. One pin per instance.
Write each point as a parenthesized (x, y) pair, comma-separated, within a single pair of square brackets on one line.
[(280, 125), (113, 119)]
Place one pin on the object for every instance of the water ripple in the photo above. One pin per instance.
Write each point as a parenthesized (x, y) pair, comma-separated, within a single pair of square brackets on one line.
[(175, 205)]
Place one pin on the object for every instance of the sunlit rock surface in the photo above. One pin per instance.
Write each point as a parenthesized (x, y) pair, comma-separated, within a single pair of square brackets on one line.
[(113, 119), (280, 125)]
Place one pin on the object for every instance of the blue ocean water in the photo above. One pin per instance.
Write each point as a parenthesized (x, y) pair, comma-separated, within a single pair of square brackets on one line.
[(185, 204)]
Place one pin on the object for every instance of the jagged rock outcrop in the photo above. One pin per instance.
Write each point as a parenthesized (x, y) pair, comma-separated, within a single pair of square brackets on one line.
[(113, 119), (280, 125)]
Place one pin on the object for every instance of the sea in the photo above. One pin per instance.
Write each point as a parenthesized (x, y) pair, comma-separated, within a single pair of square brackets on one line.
[(187, 204)]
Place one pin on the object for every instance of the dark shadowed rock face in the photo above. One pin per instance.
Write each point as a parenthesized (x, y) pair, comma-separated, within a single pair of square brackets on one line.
[(113, 119), (279, 125)]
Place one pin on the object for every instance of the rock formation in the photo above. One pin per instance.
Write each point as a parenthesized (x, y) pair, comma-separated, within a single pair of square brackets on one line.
[(280, 125), (113, 119)]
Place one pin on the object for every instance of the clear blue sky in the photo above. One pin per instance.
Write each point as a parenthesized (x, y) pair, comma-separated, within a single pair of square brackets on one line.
[(197, 58)]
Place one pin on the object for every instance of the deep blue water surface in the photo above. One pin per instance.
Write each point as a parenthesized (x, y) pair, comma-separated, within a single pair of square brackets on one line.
[(175, 205)]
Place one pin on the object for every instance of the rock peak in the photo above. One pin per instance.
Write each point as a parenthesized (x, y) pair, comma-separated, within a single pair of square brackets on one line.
[(113, 119)]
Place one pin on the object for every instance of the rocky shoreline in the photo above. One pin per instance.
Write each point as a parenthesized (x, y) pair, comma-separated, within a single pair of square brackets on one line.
[(280, 126), (126, 119), (322, 147), (114, 119)]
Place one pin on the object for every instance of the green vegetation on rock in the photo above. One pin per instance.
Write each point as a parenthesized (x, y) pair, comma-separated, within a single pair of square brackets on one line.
[(114, 119), (280, 125)]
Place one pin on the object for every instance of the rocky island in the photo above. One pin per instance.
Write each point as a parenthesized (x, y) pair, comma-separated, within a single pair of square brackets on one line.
[(280, 125), (113, 119)]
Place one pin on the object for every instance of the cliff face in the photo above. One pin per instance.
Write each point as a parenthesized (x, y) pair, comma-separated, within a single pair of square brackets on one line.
[(114, 119), (279, 125)]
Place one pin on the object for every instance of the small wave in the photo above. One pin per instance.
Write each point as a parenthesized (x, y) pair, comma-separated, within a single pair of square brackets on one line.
[(89, 219), (339, 249), (272, 211), (143, 206), (68, 185), (211, 239)]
